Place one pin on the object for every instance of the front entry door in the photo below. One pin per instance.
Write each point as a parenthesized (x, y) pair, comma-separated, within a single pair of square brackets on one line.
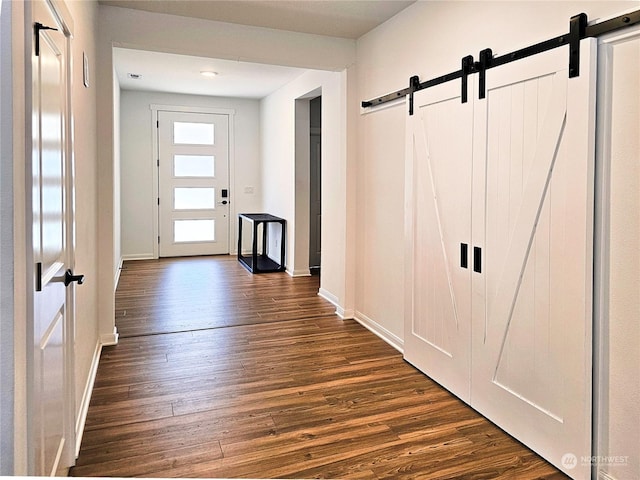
[(193, 183), (51, 398)]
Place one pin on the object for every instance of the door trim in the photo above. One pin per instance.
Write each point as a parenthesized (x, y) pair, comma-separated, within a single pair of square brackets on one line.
[(601, 244), (155, 108)]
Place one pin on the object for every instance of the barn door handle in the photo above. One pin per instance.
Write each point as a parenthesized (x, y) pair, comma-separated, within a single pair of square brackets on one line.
[(70, 277), (464, 255), (477, 259)]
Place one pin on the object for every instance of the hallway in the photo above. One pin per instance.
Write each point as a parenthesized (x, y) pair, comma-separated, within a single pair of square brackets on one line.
[(220, 373)]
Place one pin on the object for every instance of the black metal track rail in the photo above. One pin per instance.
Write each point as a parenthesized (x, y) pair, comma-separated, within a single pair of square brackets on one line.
[(578, 29)]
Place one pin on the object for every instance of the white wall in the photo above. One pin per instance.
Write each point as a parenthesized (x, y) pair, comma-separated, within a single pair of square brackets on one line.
[(85, 16), (19, 42), (429, 39), (6, 244), (137, 163), (188, 36), (278, 120)]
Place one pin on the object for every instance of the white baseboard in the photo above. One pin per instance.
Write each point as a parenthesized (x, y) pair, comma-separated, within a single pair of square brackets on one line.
[(303, 272), (117, 276), (137, 256), (374, 327), (347, 314), (328, 296), (108, 339), (86, 397), (343, 313)]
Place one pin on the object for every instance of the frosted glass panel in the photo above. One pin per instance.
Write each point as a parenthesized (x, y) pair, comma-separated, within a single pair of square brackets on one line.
[(193, 133), (193, 166), (194, 231), (191, 198)]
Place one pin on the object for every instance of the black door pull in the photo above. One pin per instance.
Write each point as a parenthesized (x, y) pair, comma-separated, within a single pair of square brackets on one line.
[(70, 277), (464, 255), (477, 259)]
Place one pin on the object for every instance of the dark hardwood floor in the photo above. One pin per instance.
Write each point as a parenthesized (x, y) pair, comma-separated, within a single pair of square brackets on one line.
[(224, 374)]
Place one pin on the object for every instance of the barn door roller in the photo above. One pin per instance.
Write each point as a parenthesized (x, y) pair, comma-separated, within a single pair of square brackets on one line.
[(578, 29)]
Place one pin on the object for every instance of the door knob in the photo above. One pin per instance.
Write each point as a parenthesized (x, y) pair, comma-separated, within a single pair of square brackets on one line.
[(70, 277), (224, 202)]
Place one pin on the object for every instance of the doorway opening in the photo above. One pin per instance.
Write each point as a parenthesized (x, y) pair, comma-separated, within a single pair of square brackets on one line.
[(308, 183), (315, 184)]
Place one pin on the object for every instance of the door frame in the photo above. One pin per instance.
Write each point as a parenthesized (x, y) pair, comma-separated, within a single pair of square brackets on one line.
[(298, 256), (601, 245), (24, 436), (155, 108)]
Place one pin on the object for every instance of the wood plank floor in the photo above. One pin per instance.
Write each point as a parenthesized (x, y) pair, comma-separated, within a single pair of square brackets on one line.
[(196, 293), (260, 380)]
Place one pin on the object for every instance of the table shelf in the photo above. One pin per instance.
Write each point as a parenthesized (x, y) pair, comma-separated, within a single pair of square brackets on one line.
[(259, 261)]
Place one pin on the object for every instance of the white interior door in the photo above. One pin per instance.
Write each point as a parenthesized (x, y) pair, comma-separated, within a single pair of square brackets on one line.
[(532, 314), (438, 226), (193, 183), (51, 399)]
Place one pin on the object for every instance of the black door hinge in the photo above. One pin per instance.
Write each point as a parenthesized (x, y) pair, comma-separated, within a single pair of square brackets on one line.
[(37, 27), (39, 277)]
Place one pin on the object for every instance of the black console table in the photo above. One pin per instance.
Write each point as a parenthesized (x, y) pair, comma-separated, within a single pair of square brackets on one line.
[(259, 262)]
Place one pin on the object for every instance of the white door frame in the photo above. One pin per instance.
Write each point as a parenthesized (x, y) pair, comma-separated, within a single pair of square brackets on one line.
[(298, 261), (25, 460), (601, 247), (155, 108)]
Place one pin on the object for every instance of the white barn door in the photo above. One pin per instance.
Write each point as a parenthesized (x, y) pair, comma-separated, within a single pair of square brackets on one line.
[(438, 225), (532, 321), (510, 176)]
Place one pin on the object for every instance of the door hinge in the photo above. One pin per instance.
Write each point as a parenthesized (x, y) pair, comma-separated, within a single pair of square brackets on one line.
[(37, 27), (158, 200), (158, 162), (157, 123), (158, 239), (39, 277)]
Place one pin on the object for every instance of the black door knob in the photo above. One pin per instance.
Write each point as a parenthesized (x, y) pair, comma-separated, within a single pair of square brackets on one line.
[(70, 277)]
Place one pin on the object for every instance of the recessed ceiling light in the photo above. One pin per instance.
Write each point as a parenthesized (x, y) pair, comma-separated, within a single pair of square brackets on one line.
[(208, 73), (135, 76)]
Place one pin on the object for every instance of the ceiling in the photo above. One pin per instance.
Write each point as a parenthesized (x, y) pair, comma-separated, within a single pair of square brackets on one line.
[(339, 18), (336, 18), (234, 79)]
